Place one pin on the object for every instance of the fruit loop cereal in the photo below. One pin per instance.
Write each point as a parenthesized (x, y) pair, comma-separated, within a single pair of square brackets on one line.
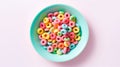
[(59, 32)]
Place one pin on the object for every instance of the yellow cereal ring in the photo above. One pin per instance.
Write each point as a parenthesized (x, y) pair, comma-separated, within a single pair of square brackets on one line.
[(51, 29), (46, 20), (66, 44), (45, 36), (77, 38), (40, 30), (48, 25), (49, 40), (53, 41), (55, 30), (76, 29), (60, 16)]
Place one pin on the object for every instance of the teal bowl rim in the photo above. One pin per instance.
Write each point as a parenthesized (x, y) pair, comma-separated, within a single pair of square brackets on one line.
[(86, 25)]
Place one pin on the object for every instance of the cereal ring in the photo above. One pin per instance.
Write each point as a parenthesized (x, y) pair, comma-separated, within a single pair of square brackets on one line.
[(72, 35), (56, 13), (77, 37), (46, 29), (42, 25), (67, 15), (61, 12), (72, 46), (55, 50), (65, 20), (50, 14), (59, 34), (49, 43), (43, 42), (61, 45), (46, 20), (54, 18), (60, 27), (73, 18), (71, 24), (64, 26), (55, 31), (63, 31), (50, 19), (51, 29), (66, 39), (69, 29), (58, 39), (66, 49), (48, 25), (40, 37), (72, 40), (49, 40), (60, 16), (54, 45), (66, 44), (40, 30), (52, 35), (53, 41), (75, 42), (59, 52), (76, 29), (50, 49), (45, 36)]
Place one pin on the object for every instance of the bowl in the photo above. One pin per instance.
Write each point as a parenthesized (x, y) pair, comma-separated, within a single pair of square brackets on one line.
[(80, 21)]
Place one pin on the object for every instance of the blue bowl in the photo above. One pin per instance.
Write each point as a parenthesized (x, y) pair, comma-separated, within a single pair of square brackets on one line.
[(73, 53)]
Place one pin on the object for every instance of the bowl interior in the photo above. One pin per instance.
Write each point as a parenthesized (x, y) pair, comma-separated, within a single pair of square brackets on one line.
[(73, 53)]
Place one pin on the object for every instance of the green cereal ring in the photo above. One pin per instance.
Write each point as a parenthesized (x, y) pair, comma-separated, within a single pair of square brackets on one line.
[(73, 18), (55, 50), (61, 12), (59, 34)]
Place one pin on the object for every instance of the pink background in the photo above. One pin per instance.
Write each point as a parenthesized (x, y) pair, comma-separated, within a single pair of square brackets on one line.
[(103, 48)]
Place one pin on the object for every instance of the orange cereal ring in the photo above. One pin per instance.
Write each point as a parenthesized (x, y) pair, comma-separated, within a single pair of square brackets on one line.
[(61, 45)]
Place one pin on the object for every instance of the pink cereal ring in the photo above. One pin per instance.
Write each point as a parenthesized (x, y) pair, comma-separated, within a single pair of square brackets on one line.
[(62, 38), (50, 14), (50, 19), (75, 42), (43, 42), (52, 36), (50, 49), (54, 45), (58, 39), (72, 35), (40, 37), (56, 13), (65, 50), (65, 20), (42, 25), (71, 24), (60, 27), (57, 21), (67, 14)]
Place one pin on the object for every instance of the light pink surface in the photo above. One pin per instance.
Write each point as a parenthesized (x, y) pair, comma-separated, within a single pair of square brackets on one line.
[(103, 49)]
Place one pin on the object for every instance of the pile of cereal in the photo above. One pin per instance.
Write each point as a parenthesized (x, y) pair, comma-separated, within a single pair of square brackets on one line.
[(58, 32)]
